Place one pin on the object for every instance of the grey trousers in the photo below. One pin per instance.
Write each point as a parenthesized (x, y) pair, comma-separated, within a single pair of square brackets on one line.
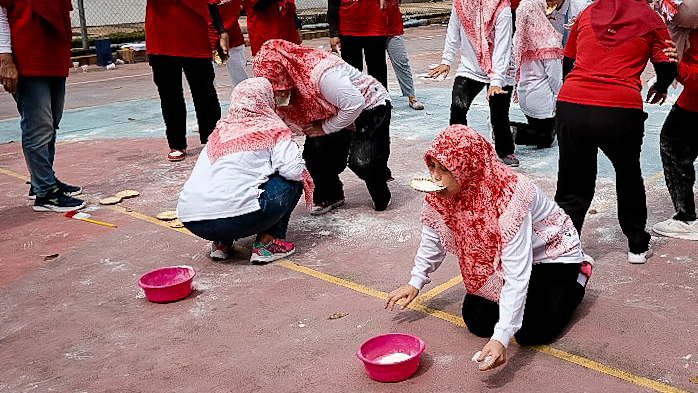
[(398, 57)]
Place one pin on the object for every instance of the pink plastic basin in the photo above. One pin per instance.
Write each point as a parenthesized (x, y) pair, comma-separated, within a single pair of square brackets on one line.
[(376, 347), (167, 284)]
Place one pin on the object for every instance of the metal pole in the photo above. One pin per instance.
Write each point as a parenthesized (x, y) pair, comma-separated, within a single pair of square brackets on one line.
[(83, 25)]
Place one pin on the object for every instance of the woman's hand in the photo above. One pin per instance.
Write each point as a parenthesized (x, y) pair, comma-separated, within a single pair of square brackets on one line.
[(653, 97), (225, 42), (442, 69), (335, 44), (314, 130), (497, 353), (670, 51), (494, 90), (407, 292)]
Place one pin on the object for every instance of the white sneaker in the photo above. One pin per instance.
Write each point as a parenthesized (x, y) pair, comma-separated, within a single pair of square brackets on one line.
[(677, 229), (638, 259), (587, 258), (219, 250)]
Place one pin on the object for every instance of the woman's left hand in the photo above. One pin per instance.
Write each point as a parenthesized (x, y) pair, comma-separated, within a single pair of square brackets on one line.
[(498, 354), (670, 51), (225, 42)]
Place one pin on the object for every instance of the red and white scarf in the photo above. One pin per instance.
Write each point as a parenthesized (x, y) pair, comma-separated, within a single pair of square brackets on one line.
[(293, 67), (479, 18), (486, 213), (252, 124), (535, 37)]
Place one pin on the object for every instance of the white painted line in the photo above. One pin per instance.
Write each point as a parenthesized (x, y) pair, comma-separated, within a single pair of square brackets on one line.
[(108, 79)]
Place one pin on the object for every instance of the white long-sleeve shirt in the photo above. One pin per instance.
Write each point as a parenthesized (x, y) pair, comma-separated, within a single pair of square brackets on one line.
[(457, 39), (230, 186), (527, 247), (567, 14), (539, 83), (339, 85), (5, 37)]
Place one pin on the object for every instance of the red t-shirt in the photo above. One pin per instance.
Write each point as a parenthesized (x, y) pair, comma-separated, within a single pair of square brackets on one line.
[(609, 78), (38, 47), (393, 18), (174, 29), (274, 22), (361, 18), (230, 12), (688, 76)]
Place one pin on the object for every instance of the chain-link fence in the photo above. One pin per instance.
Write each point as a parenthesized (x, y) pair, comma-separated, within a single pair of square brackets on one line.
[(124, 20)]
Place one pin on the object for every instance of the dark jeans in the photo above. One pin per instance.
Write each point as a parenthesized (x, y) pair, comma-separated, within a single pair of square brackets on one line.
[(40, 102), (366, 151), (373, 47), (583, 130), (276, 203), (538, 132), (553, 294), (167, 74), (678, 145), (464, 92)]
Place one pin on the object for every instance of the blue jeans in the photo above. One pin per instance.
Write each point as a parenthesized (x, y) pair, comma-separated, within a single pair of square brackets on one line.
[(40, 102), (276, 203)]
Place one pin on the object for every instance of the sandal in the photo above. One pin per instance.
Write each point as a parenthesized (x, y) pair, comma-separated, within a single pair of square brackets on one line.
[(176, 155), (415, 104)]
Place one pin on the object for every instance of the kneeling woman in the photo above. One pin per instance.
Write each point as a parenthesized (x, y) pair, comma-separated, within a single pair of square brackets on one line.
[(518, 251), (327, 98), (248, 178)]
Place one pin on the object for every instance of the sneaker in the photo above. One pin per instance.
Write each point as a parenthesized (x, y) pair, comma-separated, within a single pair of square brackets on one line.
[(638, 259), (326, 207), (66, 189), (585, 270), (56, 201), (381, 196), (510, 161), (415, 104), (220, 250), (677, 229), (277, 249)]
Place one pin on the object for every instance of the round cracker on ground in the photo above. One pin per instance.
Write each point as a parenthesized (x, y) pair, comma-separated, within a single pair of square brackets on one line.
[(113, 200), (176, 224), (166, 215), (425, 184), (128, 194)]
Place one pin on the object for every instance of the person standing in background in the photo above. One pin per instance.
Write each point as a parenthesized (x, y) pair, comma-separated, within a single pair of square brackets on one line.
[(271, 19), (565, 13), (236, 63), (358, 29), (398, 53), (177, 40), (34, 57)]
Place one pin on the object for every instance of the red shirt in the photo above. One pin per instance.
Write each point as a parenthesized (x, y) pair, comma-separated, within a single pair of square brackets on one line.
[(39, 48), (608, 78), (393, 18), (361, 18), (230, 12), (515, 3), (174, 29), (688, 76), (274, 22)]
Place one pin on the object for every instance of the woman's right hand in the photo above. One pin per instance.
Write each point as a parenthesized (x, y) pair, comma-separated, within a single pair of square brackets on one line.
[(407, 292), (441, 69)]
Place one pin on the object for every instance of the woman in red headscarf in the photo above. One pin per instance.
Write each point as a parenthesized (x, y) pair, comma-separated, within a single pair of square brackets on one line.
[(248, 178), (600, 107), (518, 252), (345, 114)]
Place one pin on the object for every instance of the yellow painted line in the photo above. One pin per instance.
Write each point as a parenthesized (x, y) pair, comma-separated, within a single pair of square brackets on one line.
[(14, 174), (417, 306), (436, 291), (654, 178)]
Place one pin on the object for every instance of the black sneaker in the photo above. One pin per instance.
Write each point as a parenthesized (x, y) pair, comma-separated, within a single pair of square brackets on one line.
[(67, 189), (56, 201), (380, 193)]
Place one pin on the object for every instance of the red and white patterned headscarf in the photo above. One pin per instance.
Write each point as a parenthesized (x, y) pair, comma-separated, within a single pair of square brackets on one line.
[(479, 18), (251, 124), (293, 67), (535, 37), (486, 213)]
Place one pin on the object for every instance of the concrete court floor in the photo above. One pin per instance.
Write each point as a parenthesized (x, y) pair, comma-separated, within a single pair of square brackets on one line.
[(78, 323)]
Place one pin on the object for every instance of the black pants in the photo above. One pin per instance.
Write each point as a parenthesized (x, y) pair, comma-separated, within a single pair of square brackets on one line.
[(354, 48), (618, 132), (538, 132), (366, 150), (678, 145), (464, 92), (553, 294), (167, 74)]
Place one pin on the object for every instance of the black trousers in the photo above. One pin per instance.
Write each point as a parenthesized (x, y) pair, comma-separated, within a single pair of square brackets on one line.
[(365, 150), (537, 132), (582, 130), (464, 92), (553, 295), (167, 74), (678, 146), (354, 48)]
